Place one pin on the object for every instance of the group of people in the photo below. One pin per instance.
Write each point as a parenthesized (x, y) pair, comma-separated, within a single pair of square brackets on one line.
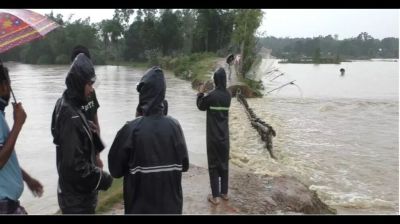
[(149, 152)]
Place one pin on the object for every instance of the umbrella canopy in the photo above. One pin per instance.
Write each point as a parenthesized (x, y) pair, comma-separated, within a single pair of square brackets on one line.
[(19, 26)]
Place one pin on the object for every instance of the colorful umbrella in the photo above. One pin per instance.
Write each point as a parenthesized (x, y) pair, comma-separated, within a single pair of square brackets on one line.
[(20, 26)]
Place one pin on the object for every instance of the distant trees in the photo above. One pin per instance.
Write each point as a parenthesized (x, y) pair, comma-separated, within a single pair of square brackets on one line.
[(148, 34), (363, 46), (152, 33)]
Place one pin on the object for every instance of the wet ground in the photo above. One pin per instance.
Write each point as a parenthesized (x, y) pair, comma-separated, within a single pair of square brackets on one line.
[(248, 194)]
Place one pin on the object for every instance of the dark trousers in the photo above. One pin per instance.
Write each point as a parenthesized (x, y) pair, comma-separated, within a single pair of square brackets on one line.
[(218, 181), (77, 205), (8, 206), (78, 210)]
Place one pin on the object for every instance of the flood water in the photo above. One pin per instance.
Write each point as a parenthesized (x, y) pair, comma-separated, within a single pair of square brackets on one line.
[(38, 88), (338, 134)]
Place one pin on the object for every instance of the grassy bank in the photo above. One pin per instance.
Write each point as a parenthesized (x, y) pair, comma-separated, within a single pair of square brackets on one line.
[(255, 86), (198, 66), (107, 199)]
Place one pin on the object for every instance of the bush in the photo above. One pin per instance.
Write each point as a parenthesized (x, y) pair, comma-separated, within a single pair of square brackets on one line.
[(44, 59), (97, 57), (165, 62), (62, 59), (99, 60), (256, 85), (181, 66), (153, 57)]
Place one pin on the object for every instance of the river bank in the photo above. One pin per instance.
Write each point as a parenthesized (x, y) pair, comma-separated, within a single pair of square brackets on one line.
[(326, 143), (250, 192)]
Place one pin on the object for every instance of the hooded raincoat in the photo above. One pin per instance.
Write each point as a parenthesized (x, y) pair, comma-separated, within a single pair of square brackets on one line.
[(79, 178), (150, 153), (217, 104)]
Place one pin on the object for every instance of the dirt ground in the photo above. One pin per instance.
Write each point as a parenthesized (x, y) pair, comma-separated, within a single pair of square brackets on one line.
[(249, 194)]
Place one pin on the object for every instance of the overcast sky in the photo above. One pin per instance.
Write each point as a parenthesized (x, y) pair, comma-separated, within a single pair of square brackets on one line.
[(379, 23)]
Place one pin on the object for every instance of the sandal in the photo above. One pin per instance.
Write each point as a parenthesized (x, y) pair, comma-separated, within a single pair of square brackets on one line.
[(225, 197), (213, 200)]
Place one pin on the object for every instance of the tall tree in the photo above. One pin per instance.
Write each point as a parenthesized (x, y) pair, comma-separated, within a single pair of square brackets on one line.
[(246, 23), (188, 23), (112, 31), (169, 31)]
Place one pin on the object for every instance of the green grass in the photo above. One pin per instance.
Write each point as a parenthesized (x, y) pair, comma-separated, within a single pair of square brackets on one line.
[(200, 65), (111, 197), (202, 68), (190, 67), (107, 199)]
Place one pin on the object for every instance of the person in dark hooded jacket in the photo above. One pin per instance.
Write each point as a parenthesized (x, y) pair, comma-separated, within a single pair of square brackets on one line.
[(217, 104), (150, 153), (79, 178), (139, 112), (90, 109)]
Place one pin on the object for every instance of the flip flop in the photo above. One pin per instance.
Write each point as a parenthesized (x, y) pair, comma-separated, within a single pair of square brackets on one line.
[(225, 197), (212, 200)]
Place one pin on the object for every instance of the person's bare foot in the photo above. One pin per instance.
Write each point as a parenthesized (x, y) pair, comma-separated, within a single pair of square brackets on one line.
[(213, 200), (225, 197)]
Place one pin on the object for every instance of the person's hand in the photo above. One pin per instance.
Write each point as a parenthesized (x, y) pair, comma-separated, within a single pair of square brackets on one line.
[(106, 181), (93, 127), (19, 114), (35, 186), (201, 88), (99, 162)]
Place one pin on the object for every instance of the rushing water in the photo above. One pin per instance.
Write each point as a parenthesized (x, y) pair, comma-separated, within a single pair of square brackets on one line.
[(338, 134)]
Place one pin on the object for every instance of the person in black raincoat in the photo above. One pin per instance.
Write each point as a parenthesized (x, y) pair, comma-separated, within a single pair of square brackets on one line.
[(139, 111), (79, 178), (150, 153), (90, 109), (217, 104)]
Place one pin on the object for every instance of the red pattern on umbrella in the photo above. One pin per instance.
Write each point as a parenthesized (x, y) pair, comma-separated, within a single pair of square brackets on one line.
[(19, 26)]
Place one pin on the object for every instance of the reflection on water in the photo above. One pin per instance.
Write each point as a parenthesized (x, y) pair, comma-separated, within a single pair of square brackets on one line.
[(38, 88)]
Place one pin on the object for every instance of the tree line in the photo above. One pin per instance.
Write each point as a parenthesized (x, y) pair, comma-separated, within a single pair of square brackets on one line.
[(152, 34), (364, 46)]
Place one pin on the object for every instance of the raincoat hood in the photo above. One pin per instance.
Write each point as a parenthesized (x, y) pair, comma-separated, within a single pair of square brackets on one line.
[(220, 79), (151, 90), (80, 73)]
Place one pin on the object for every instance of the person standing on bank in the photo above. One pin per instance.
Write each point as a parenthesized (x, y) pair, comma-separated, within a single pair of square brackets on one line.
[(229, 62), (217, 104), (150, 153), (79, 178), (11, 174), (90, 109)]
